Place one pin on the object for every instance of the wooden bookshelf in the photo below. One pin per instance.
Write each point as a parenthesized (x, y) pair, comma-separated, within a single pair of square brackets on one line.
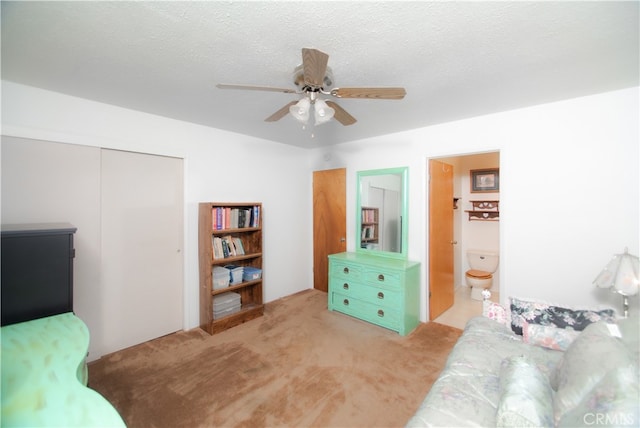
[(250, 234), (369, 226)]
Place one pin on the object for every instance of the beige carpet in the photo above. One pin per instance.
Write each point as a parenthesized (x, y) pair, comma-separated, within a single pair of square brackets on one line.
[(297, 366)]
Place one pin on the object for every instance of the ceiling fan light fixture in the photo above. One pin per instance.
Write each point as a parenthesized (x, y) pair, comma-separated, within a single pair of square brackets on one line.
[(300, 110), (322, 112), (313, 78)]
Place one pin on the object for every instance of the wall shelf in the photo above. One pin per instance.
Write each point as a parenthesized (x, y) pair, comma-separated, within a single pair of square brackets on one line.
[(484, 211)]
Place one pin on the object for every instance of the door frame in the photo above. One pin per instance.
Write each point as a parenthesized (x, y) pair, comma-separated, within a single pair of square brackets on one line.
[(458, 253), (441, 294), (336, 240)]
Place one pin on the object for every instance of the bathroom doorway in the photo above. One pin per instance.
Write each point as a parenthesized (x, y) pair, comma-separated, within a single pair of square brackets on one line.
[(468, 234)]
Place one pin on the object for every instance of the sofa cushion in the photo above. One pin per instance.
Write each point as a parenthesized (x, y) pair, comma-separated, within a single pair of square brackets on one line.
[(630, 334), (591, 356), (467, 391), (611, 402), (548, 336), (541, 313), (526, 397)]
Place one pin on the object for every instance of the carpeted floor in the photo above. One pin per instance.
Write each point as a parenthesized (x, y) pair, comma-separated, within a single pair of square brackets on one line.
[(297, 366)]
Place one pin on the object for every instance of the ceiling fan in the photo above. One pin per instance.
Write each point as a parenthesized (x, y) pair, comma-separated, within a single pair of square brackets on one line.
[(312, 79)]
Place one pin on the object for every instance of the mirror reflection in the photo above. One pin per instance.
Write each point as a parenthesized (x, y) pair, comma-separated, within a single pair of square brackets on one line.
[(381, 210)]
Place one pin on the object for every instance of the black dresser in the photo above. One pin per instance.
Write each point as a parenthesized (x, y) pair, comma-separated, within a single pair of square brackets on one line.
[(37, 271)]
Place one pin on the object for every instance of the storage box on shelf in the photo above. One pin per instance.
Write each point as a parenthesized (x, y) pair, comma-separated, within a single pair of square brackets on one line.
[(221, 278), (251, 273), (230, 243), (226, 304), (236, 273)]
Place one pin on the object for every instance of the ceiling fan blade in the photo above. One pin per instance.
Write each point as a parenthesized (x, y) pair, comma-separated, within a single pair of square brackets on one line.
[(379, 93), (255, 88), (341, 114), (314, 64), (280, 113)]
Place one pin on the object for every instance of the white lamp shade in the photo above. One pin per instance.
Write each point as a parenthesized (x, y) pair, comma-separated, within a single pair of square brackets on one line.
[(621, 274), (300, 111), (323, 113)]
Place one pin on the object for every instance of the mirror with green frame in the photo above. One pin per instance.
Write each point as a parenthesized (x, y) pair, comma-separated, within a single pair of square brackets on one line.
[(381, 212)]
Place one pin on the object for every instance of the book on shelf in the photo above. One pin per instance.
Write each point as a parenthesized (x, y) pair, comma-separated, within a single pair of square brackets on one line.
[(368, 232), (256, 216), (227, 246), (242, 218), (217, 248), (231, 248), (368, 215), (235, 217), (237, 242)]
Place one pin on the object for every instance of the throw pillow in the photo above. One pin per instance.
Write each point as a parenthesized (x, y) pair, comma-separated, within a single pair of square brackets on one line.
[(548, 337), (526, 398), (591, 356), (545, 314), (496, 312)]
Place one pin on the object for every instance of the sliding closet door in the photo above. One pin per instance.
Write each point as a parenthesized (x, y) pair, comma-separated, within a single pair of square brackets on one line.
[(142, 238), (45, 182)]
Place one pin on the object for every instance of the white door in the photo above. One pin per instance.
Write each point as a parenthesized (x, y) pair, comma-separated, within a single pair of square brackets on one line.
[(142, 238)]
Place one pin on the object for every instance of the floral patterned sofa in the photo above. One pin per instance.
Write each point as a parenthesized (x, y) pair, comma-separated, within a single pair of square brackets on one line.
[(568, 368)]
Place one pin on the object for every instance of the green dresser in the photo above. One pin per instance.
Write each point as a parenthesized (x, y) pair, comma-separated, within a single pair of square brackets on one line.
[(380, 290)]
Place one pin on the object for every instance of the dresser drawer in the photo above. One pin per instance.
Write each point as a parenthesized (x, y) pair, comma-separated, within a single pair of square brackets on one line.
[(344, 271), (380, 277), (377, 314), (377, 296)]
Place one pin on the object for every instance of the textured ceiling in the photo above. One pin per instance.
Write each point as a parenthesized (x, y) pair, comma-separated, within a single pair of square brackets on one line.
[(455, 59)]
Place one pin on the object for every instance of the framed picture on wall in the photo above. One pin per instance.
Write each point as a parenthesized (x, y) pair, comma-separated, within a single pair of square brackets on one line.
[(485, 180)]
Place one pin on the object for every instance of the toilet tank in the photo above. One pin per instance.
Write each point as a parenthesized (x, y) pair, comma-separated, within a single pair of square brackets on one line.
[(483, 260)]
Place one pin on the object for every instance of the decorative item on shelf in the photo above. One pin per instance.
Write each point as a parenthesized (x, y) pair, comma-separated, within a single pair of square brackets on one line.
[(621, 276), (484, 210)]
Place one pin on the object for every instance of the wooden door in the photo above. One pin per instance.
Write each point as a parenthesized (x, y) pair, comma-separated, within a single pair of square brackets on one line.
[(329, 221), (142, 238), (440, 238)]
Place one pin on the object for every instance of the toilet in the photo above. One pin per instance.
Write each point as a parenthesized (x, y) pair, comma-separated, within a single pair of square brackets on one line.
[(480, 275)]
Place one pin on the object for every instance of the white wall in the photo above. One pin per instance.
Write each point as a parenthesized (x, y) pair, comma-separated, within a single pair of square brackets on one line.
[(219, 166), (569, 189)]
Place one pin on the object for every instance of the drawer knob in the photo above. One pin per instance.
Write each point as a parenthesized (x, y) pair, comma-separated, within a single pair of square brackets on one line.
[(345, 270), (380, 295), (346, 302), (380, 313), (345, 286), (381, 277)]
